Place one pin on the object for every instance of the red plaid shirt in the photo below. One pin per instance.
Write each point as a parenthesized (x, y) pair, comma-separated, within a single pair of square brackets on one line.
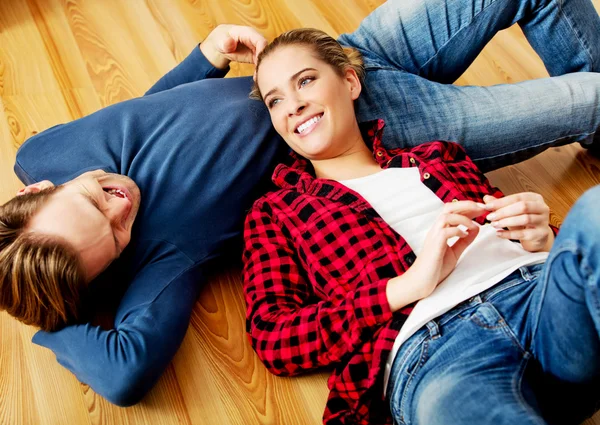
[(317, 260)]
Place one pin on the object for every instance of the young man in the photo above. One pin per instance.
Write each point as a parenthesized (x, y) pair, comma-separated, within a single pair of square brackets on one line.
[(155, 187)]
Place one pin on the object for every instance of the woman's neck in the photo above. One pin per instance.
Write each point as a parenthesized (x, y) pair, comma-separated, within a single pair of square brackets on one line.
[(356, 162)]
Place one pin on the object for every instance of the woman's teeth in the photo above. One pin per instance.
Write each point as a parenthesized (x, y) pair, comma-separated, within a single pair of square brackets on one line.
[(304, 126)]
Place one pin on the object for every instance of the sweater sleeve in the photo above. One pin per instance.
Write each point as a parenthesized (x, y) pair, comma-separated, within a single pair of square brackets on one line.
[(289, 327), (195, 67), (123, 363)]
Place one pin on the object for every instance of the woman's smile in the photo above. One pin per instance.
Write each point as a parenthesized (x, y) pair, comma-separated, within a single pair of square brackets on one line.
[(307, 126)]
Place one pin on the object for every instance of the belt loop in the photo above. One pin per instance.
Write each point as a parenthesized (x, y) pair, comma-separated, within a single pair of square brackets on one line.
[(433, 328), (525, 273)]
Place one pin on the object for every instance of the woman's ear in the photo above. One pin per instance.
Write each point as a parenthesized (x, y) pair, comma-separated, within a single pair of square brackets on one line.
[(353, 83), (36, 187)]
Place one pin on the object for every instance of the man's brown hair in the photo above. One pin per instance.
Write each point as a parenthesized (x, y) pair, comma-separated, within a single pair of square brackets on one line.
[(42, 282)]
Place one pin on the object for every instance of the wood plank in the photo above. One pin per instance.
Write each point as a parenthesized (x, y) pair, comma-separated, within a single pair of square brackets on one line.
[(63, 59)]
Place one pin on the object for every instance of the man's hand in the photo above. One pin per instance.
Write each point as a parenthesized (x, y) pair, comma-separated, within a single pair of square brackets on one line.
[(437, 259), (526, 216), (228, 43)]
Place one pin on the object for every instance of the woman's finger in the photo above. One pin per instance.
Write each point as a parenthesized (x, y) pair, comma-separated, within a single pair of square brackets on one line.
[(522, 234), (493, 203), (469, 209), (524, 220), (519, 208), (452, 219), (461, 244)]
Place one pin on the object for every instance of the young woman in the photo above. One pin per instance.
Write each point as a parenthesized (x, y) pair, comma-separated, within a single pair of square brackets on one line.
[(424, 287)]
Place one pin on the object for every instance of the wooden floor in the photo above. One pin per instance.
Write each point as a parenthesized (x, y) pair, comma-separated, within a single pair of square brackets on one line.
[(62, 59)]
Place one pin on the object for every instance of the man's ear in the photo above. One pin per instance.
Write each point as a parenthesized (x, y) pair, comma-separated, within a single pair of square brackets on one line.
[(36, 187)]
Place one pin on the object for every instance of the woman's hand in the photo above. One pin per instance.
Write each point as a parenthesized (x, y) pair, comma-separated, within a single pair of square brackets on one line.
[(436, 259), (228, 43), (526, 216)]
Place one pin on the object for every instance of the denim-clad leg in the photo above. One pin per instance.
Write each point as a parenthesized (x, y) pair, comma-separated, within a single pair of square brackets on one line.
[(413, 49), (566, 332), (466, 367)]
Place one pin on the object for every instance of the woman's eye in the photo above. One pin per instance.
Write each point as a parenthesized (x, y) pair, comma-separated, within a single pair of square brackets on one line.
[(304, 81), (273, 102)]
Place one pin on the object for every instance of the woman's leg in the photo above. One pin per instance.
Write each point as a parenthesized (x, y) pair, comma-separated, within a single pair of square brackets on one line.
[(565, 332), (437, 40), (464, 368), (557, 319)]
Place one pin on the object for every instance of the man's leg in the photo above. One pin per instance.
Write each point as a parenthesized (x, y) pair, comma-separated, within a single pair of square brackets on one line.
[(498, 125), (439, 39), (411, 46)]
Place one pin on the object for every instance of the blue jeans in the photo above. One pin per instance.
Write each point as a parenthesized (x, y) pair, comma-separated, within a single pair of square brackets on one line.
[(526, 351), (413, 50)]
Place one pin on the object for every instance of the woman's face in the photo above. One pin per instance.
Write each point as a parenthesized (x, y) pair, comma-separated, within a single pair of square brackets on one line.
[(311, 106)]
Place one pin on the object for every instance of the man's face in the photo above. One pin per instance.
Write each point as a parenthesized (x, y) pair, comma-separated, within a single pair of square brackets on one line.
[(94, 213)]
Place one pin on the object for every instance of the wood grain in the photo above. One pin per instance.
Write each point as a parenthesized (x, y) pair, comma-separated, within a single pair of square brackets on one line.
[(63, 59)]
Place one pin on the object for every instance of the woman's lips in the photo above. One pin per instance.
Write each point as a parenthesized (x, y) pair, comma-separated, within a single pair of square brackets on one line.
[(312, 127)]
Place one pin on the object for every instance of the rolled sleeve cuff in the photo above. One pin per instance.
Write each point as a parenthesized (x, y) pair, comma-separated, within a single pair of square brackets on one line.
[(371, 304)]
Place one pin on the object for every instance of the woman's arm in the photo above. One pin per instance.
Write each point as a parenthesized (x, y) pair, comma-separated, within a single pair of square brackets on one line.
[(290, 328)]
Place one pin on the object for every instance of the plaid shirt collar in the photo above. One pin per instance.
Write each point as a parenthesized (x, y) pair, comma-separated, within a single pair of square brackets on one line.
[(298, 174)]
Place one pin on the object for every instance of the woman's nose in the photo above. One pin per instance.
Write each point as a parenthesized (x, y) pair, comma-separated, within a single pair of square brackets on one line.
[(296, 107)]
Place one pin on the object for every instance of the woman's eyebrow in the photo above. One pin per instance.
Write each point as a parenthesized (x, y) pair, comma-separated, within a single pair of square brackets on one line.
[(293, 77)]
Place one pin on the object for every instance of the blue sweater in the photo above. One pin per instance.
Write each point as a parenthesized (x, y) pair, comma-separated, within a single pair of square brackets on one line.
[(198, 148)]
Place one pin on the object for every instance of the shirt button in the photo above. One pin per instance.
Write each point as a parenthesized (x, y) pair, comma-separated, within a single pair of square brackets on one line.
[(455, 200), (426, 176), (412, 160), (379, 154)]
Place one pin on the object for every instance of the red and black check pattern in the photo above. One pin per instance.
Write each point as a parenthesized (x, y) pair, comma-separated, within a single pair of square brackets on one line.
[(317, 260)]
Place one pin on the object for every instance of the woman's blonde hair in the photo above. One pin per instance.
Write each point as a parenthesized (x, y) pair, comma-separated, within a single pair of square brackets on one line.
[(324, 46), (42, 282)]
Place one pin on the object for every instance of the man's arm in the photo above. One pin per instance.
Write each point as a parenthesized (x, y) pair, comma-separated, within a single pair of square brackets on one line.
[(124, 363), (211, 59), (195, 67)]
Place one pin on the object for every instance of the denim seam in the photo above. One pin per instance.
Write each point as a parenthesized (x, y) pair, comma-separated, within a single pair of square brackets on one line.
[(457, 33), (509, 332), (577, 35), (518, 394), (544, 281), (541, 144), (424, 346)]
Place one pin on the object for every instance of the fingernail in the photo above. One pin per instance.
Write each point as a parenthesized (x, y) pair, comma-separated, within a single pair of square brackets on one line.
[(463, 229), (495, 224), (480, 205), (491, 216)]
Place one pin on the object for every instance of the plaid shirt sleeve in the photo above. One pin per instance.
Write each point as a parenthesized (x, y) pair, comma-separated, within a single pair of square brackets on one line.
[(290, 328)]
